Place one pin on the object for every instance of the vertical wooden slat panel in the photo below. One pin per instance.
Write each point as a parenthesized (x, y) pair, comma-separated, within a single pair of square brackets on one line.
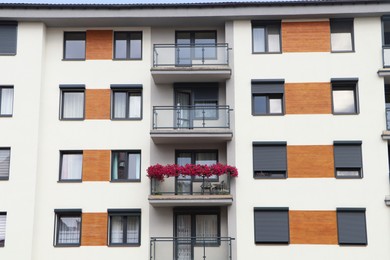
[(99, 45), (96, 165), (94, 229), (97, 104)]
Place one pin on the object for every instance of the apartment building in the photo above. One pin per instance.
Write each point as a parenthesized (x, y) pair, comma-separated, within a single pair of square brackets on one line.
[(94, 98)]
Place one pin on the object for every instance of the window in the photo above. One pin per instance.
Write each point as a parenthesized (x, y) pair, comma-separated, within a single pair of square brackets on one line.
[(128, 45), (126, 166), (271, 225), (67, 227), (348, 159), (8, 35), (127, 101), (344, 95), (269, 160), (124, 227), (351, 226), (341, 35), (5, 154), (6, 100), (386, 40), (267, 97), (72, 102), (71, 166), (74, 45), (266, 37), (3, 221)]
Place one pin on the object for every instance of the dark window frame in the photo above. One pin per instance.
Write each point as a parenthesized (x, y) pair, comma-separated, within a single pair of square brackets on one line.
[(58, 213), (268, 95), (352, 210), (77, 88), (9, 166), (11, 23), (265, 24), (345, 84), (64, 46), (126, 165), (13, 99), (62, 152), (343, 20), (128, 45), (3, 213), (360, 170), (271, 209), (270, 144), (124, 213), (128, 89)]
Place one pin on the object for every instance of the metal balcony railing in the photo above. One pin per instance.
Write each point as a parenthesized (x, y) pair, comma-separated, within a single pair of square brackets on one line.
[(191, 248), (191, 117), (386, 56), (188, 55)]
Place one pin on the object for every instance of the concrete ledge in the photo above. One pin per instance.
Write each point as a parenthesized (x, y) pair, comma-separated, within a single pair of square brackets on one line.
[(190, 200)]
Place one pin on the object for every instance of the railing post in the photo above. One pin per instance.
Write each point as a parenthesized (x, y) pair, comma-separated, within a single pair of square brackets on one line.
[(178, 117), (228, 117), (177, 55), (204, 248), (203, 185), (203, 118), (228, 180), (202, 54), (155, 114), (230, 248)]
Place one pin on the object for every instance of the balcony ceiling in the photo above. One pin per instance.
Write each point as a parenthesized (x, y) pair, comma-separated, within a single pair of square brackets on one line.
[(191, 136), (190, 200)]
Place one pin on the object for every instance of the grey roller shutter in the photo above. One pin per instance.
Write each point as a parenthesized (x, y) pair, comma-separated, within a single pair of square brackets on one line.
[(3, 219), (271, 226), (351, 227), (348, 155), (4, 163), (8, 32), (206, 93), (269, 157), (267, 87)]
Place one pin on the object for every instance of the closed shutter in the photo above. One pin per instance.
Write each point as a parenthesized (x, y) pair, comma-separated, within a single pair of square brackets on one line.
[(4, 163), (271, 226), (206, 93), (269, 157), (8, 38), (351, 226), (267, 87), (348, 155)]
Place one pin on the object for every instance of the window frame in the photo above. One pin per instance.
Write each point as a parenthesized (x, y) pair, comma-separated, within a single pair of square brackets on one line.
[(4, 213), (64, 46), (13, 99), (341, 20), (11, 23), (127, 165), (9, 166), (352, 210), (128, 45), (77, 88), (128, 88), (58, 213), (274, 210), (267, 84), (360, 170), (124, 213), (265, 24), (345, 84), (269, 144), (62, 152)]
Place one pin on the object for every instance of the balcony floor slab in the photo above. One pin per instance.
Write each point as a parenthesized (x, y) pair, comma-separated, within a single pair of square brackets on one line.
[(190, 200)]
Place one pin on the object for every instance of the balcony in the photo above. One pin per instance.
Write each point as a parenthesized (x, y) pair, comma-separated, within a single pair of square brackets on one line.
[(197, 248), (188, 124), (190, 63)]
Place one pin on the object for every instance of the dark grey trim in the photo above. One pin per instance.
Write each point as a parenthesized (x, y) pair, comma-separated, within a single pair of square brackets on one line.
[(351, 209), (62, 152), (68, 88), (124, 211), (127, 165), (352, 33), (126, 86), (343, 80), (347, 142), (264, 81), (70, 211), (271, 143), (64, 47), (128, 45), (348, 84), (265, 24), (13, 99), (270, 209), (131, 88), (66, 213), (353, 234), (72, 86)]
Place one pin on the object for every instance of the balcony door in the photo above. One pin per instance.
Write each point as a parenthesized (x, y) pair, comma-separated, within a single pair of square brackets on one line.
[(183, 113)]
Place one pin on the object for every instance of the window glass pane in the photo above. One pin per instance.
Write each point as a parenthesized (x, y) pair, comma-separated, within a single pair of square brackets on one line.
[(4, 162), (3, 219), (344, 101), (134, 105), (260, 105), (73, 105), (208, 39), (259, 39), (134, 167), (207, 227), (120, 104), (119, 162), (341, 36), (71, 168), (135, 46), (386, 31), (75, 46), (273, 38), (69, 230), (120, 49), (132, 229), (117, 227), (206, 158), (7, 101), (275, 105), (201, 110)]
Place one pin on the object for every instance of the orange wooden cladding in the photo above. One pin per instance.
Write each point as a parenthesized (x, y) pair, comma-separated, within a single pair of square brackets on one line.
[(96, 165), (306, 36), (313, 227), (97, 104), (308, 98), (94, 229), (310, 161), (99, 45)]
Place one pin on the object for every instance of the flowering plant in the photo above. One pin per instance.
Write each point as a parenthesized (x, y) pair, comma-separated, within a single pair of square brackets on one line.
[(159, 172)]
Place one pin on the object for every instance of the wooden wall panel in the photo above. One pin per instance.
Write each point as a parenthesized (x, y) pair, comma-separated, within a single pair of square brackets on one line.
[(306, 36), (310, 161), (99, 45), (94, 229), (313, 227), (96, 165), (308, 98), (97, 104)]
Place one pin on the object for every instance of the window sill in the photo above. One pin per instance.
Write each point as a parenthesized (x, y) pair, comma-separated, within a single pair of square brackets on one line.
[(81, 59), (282, 114), (67, 245), (273, 178), (127, 119), (345, 114), (114, 59), (70, 181), (124, 245), (352, 51), (6, 116), (8, 54), (4, 178), (72, 119), (266, 52)]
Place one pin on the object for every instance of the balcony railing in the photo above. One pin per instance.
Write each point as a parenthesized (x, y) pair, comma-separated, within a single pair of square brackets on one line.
[(188, 55), (386, 56), (388, 117), (191, 248), (190, 117)]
